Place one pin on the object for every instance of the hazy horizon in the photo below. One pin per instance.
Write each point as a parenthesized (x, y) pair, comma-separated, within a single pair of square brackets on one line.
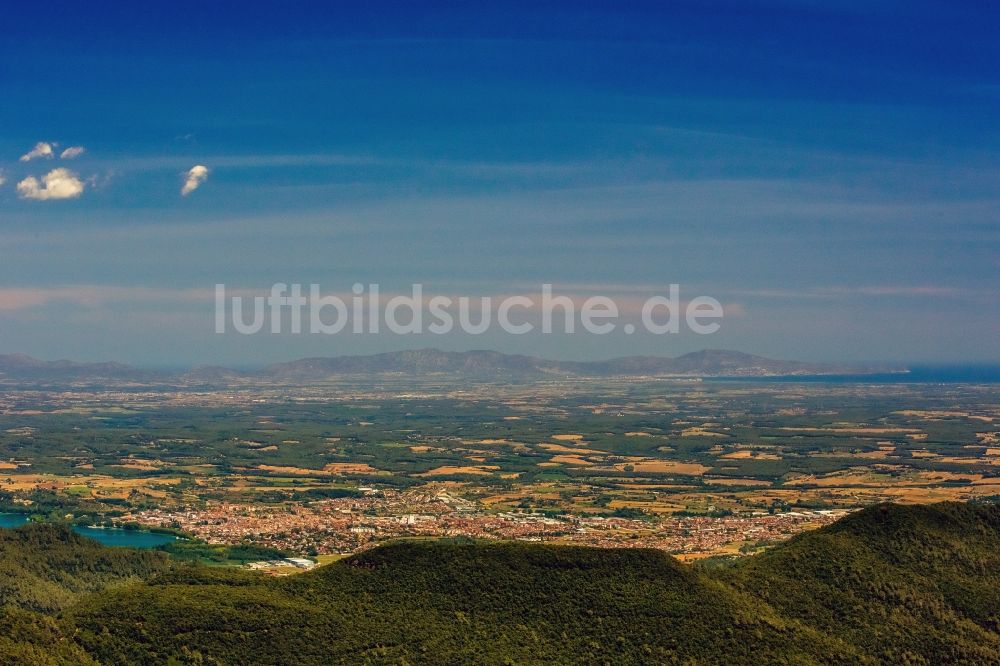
[(988, 371)]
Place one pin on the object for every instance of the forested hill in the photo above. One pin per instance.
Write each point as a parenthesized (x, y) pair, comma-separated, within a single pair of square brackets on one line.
[(46, 567), (890, 584)]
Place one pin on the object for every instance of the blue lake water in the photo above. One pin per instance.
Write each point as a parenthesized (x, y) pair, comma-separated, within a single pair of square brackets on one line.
[(12, 519), (106, 536), (128, 538)]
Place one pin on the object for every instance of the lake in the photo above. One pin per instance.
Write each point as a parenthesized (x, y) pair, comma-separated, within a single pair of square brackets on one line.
[(12, 519), (109, 536), (113, 536)]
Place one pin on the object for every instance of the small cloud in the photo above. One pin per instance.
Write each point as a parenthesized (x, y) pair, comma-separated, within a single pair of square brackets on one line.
[(41, 149), (56, 184), (72, 152), (3, 178), (100, 181), (894, 290), (193, 179)]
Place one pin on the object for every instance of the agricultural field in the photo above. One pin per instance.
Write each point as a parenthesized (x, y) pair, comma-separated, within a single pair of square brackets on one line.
[(642, 453)]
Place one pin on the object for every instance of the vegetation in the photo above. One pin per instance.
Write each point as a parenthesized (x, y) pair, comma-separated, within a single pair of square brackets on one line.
[(219, 554), (704, 447), (890, 584), (45, 567), (912, 584)]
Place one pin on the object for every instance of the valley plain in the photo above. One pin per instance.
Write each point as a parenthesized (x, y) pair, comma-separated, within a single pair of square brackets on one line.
[(696, 467)]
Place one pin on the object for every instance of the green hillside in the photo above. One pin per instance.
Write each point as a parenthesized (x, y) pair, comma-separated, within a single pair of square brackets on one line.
[(422, 601), (33, 639), (908, 584), (46, 567), (891, 584)]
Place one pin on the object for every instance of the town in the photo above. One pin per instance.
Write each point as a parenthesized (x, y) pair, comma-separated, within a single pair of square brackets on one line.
[(348, 525)]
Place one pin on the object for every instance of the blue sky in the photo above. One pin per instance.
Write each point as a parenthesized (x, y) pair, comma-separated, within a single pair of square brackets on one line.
[(827, 170)]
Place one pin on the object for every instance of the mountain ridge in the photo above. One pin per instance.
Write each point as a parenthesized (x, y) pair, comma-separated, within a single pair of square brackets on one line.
[(708, 362), (477, 363)]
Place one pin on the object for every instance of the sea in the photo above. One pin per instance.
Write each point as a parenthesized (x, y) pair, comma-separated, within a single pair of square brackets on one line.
[(918, 374)]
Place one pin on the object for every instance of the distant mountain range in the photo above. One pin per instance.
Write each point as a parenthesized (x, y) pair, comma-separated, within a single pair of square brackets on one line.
[(433, 362), (707, 363), (27, 368)]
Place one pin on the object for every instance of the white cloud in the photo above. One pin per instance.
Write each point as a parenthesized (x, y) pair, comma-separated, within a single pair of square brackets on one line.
[(91, 296), (3, 178), (72, 151), (56, 184), (195, 176), (41, 149)]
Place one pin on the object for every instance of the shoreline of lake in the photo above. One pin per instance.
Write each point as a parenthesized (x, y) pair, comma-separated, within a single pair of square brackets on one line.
[(107, 536)]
